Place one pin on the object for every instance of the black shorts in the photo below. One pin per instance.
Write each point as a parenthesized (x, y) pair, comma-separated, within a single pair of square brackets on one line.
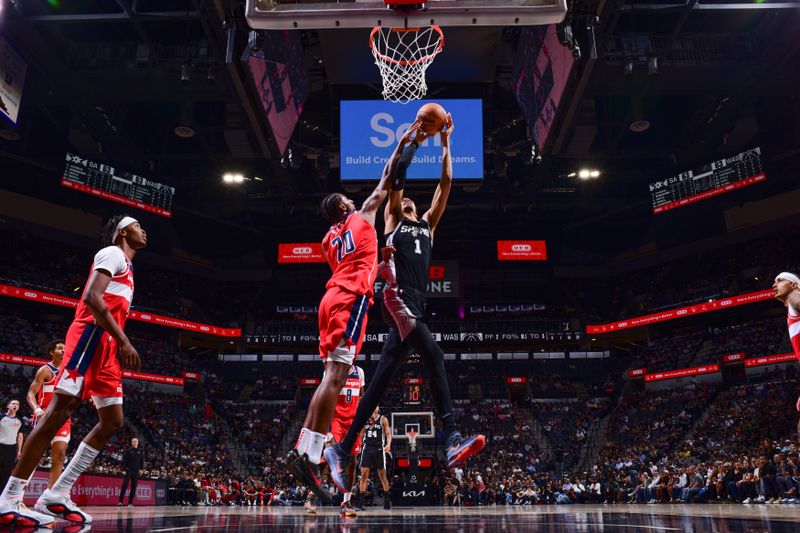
[(402, 309), (373, 458)]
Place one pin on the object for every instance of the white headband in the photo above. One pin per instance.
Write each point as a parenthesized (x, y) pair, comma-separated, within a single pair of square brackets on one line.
[(124, 223), (788, 276)]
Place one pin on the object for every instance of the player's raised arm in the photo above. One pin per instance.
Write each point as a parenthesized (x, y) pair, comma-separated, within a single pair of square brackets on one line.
[(390, 171), (393, 212), (434, 214)]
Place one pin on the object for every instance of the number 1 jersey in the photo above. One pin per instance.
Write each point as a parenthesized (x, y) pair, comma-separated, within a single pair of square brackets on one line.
[(351, 248)]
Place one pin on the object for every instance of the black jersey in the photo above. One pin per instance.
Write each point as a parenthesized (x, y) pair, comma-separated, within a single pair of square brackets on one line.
[(412, 257), (373, 436)]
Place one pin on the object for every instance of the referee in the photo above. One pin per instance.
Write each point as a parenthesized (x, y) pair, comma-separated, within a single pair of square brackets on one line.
[(133, 462), (10, 440)]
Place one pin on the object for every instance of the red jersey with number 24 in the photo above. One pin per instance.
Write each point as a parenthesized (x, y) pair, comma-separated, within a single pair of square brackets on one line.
[(351, 248)]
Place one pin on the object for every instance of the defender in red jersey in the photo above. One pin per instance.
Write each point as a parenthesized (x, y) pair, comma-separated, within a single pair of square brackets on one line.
[(787, 290), (351, 249), (39, 396), (90, 370)]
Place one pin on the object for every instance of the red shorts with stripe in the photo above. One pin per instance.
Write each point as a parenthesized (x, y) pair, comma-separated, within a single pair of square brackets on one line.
[(63, 433), (342, 323), (339, 430), (90, 367)]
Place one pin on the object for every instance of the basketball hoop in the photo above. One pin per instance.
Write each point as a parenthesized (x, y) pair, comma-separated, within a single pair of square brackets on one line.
[(412, 439), (403, 55)]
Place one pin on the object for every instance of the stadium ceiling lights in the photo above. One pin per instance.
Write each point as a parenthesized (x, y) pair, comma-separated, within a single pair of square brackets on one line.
[(232, 177), (585, 174)]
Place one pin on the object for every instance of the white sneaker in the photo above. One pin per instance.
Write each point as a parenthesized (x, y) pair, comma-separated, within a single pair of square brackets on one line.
[(61, 507), (17, 513), (746, 501)]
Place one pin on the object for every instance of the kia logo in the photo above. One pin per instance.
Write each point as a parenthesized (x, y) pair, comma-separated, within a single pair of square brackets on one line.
[(301, 250), (520, 247)]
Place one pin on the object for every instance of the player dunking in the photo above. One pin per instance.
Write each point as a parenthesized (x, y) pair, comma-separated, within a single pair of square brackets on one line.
[(346, 405), (40, 394), (377, 443), (407, 257), (90, 369), (351, 249), (787, 290)]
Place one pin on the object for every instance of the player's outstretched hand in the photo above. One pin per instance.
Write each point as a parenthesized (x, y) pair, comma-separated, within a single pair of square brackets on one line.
[(129, 357), (447, 130), (415, 133), (387, 252)]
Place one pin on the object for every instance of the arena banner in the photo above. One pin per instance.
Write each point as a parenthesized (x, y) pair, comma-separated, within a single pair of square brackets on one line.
[(733, 357), (141, 316), (301, 252), (637, 372), (370, 129), (682, 373), (99, 490), (521, 250), (445, 281), (13, 70), (126, 374), (770, 360), (516, 380), (682, 312)]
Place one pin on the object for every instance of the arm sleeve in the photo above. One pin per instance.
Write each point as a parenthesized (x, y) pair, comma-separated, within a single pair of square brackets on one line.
[(111, 259), (399, 178)]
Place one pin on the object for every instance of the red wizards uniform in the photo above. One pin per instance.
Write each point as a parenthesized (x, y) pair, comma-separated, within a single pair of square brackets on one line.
[(44, 398), (90, 368), (793, 320), (351, 248), (346, 406)]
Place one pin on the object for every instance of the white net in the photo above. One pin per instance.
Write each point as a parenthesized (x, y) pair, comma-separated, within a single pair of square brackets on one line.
[(403, 56)]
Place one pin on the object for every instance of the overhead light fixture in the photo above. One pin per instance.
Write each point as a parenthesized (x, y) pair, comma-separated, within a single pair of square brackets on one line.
[(638, 126), (184, 132), (233, 177), (586, 173)]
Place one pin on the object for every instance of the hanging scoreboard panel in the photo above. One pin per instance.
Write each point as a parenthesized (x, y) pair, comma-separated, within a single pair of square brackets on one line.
[(104, 181), (715, 178)]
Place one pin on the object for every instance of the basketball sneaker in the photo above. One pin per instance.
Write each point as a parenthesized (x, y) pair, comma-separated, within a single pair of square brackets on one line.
[(17, 514), (387, 502), (61, 507), (338, 461), (306, 473), (460, 449), (347, 510)]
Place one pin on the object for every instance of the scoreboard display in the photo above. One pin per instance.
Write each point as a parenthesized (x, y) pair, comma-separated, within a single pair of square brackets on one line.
[(104, 181), (412, 395), (715, 178)]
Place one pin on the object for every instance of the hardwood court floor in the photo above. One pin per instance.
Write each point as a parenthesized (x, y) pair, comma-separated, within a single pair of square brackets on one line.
[(548, 518)]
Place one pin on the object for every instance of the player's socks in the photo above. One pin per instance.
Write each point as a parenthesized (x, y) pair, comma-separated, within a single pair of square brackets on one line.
[(316, 443), (14, 490), (81, 461), (302, 442)]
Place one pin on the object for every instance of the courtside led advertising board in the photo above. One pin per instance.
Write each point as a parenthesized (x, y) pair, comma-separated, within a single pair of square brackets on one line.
[(370, 129), (300, 252)]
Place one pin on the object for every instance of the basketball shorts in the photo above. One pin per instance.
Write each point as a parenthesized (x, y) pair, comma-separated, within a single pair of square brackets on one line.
[(90, 369), (63, 433), (401, 309), (342, 323), (373, 458), (339, 430)]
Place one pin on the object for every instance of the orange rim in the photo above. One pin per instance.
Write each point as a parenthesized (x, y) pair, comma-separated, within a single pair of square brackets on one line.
[(387, 59)]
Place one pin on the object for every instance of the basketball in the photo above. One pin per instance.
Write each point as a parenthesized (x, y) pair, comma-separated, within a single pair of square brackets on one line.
[(432, 116)]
